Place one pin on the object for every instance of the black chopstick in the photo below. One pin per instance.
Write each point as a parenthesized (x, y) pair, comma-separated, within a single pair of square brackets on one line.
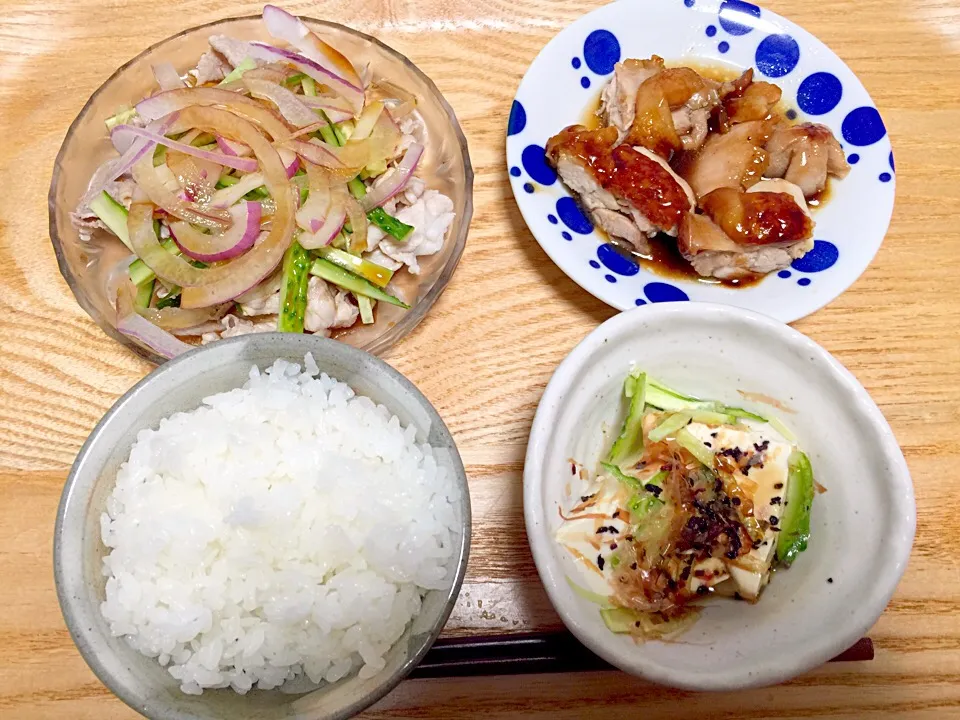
[(545, 652)]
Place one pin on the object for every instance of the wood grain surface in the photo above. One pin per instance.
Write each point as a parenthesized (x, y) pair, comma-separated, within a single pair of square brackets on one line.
[(488, 348)]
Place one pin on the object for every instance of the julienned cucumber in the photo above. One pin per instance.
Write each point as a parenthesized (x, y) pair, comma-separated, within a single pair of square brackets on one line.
[(140, 273), (113, 215), (348, 281), (629, 445), (795, 519), (377, 274), (293, 292), (378, 216)]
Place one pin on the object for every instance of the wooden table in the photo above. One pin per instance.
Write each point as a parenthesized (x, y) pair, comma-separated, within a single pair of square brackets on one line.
[(488, 348)]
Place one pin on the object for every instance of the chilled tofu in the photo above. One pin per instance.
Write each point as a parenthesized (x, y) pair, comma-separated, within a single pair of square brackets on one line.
[(764, 482)]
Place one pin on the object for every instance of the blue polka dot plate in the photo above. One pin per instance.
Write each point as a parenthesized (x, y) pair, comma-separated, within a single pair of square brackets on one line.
[(563, 84)]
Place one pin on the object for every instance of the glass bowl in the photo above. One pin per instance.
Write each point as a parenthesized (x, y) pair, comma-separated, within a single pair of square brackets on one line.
[(445, 166)]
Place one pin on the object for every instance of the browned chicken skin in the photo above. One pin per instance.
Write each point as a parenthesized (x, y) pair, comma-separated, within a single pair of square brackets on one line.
[(805, 155), (743, 100), (733, 159), (612, 178), (757, 218)]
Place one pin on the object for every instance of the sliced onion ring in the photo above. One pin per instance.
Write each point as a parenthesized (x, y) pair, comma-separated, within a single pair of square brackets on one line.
[(250, 110), (211, 286), (229, 147), (289, 28), (157, 339), (174, 318), (150, 182), (167, 76), (288, 104), (340, 85), (334, 108), (237, 163), (225, 197), (221, 246), (397, 180)]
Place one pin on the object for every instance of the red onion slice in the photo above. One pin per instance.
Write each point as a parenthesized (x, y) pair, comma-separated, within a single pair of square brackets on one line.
[(221, 246), (289, 28), (334, 108), (229, 147), (160, 341), (174, 318), (237, 163), (367, 120), (110, 171), (339, 84), (250, 110), (225, 197), (288, 104), (291, 161), (333, 223), (396, 181), (150, 182), (167, 76)]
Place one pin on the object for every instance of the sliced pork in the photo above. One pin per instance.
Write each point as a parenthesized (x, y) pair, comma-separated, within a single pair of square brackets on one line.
[(805, 155), (735, 159)]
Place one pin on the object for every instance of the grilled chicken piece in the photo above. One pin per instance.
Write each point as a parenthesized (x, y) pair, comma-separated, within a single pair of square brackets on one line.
[(661, 109), (747, 233), (630, 192), (743, 100), (618, 102), (735, 159), (804, 155)]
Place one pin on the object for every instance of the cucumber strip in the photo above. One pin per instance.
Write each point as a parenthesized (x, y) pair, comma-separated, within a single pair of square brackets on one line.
[(238, 71), (668, 426), (741, 413), (121, 118), (328, 135), (629, 445), (618, 474), (113, 215), (377, 274), (339, 134), (140, 273), (709, 417), (692, 444), (602, 600), (293, 292), (366, 308), (777, 425), (294, 79), (620, 620), (795, 520), (390, 225), (309, 85), (644, 501), (227, 181), (144, 295), (204, 139), (353, 283), (160, 155), (171, 299)]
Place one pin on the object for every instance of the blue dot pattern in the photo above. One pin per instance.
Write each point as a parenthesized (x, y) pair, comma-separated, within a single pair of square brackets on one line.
[(515, 171), (885, 177), (640, 301), (552, 218), (777, 55), (570, 214), (819, 93), (610, 278), (791, 114), (892, 166), (784, 274), (803, 282), (576, 63), (711, 30), (518, 119), (724, 46), (614, 261), (823, 256), (738, 17), (863, 126), (566, 236), (594, 264), (528, 187), (689, 3), (601, 51), (584, 82), (658, 292), (534, 159), (853, 158)]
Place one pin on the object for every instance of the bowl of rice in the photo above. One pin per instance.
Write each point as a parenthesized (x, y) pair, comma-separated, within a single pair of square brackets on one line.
[(272, 526)]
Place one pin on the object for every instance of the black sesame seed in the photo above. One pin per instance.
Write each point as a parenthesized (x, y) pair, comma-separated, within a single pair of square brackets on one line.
[(707, 444), (612, 530), (629, 538), (735, 501), (699, 573), (616, 514), (633, 566), (778, 486), (713, 434), (637, 624), (774, 520), (775, 500), (732, 554), (613, 546), (654, 490), (573, 468), (830, 580), (584, 498), (600, 561), (702, 590)]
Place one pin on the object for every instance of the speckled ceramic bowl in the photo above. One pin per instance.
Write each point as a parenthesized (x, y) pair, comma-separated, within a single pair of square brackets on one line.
[(862, 526), (180, 385)]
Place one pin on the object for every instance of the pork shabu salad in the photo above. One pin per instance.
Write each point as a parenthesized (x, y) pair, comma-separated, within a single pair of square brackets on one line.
[(274, 186), (694, 499)]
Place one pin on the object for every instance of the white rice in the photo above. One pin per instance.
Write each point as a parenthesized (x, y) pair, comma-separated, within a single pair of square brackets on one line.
[(284, 530)]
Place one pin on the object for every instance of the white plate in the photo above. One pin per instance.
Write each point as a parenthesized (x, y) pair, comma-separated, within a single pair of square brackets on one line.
[(567, 76), (862, 527)]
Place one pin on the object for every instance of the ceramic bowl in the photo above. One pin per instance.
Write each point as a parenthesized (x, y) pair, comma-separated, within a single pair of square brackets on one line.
[(86, 266), (565, 80), (180, 385), (862, 527)]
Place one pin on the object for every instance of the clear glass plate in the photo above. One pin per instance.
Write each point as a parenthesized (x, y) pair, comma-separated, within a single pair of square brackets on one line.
[(445, 166)]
